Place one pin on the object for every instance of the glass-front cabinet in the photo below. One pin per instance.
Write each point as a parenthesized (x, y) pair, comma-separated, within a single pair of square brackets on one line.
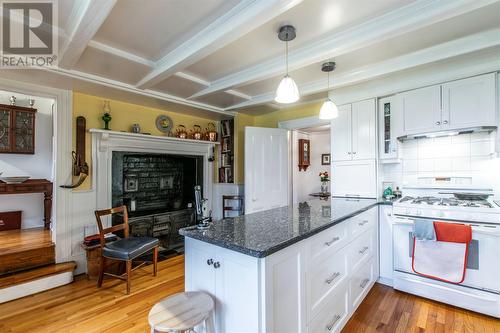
[(17, 129), (390, 127)]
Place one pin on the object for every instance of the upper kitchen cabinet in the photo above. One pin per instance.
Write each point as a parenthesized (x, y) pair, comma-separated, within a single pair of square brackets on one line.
[(469, 102), (353, 133), (454, 105), (341, 134), (421, 109), (364, 137), (390, 127)]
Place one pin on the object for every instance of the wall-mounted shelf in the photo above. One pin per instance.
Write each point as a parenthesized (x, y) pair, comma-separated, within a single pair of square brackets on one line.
[(226, 168)]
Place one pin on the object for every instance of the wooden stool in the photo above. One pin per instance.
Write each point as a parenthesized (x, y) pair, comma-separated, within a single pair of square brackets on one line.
[(182, 312)]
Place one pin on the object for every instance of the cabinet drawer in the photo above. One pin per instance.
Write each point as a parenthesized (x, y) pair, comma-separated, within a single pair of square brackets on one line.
[(360, 249), (323, 278), (328, 242), (332, 316), (360, 283), (362, 222)]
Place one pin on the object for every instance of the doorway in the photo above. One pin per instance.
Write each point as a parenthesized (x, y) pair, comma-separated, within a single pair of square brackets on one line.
[(306, 181)]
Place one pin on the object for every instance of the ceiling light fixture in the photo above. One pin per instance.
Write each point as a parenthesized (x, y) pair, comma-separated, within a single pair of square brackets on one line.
[(329, 109), (287, 91)]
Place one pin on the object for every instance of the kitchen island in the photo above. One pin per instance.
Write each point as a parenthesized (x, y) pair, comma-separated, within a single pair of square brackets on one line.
[(300, 268)]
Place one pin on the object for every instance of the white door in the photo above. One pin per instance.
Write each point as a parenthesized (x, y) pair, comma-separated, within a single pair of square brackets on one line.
[(341, 135), (469, 102), (422, 110), (364, 137), (266, 168), (354, 179)]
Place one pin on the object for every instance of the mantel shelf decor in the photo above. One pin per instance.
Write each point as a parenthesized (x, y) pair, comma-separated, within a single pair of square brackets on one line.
[(106, 134)]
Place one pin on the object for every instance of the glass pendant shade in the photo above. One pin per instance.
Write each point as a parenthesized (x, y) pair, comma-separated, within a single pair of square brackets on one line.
[(328, 110), (287, 91)]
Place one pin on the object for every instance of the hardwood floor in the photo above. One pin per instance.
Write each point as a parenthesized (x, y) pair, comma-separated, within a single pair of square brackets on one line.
[(388, 310), (81, 307)]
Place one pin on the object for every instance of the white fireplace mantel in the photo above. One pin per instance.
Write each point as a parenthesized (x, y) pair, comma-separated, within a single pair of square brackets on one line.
[(104, 142)]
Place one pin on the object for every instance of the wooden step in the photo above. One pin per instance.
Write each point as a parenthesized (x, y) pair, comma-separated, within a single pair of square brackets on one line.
[(36, 273), (25, 249)]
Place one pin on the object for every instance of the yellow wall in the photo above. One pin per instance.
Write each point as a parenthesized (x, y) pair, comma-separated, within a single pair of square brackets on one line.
[(295, 112), (124, 115), (240, 122)]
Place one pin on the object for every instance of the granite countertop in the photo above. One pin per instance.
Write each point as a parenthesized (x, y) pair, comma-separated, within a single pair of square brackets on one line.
[(263, 233)]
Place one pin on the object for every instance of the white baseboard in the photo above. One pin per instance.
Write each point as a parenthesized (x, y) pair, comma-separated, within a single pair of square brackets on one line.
[(35, 286), (385, 281)]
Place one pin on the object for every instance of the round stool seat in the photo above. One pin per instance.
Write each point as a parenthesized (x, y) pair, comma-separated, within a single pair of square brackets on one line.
[(181, 312)]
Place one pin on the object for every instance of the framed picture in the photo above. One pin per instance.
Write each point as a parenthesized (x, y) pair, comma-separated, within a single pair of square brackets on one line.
[(325, 159)]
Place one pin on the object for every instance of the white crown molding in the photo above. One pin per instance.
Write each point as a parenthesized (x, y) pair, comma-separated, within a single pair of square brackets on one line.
[(429, 55), (402, 20), (86, 18), (132, 89), (243, 18)]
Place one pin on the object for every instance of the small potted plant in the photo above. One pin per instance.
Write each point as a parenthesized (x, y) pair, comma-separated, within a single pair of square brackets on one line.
[(324, 178)]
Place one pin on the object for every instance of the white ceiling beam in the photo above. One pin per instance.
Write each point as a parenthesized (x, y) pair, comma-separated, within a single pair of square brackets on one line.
[(243, 18), (86, 18), (146, 62), (457, 47), (121, 53), (98, 80), (412, 17)]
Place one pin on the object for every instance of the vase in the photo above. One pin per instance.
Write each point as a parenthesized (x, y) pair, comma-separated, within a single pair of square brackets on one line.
[(324, 187)]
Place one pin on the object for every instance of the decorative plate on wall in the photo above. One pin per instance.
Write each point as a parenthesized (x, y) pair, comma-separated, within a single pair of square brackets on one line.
[(164, 123)]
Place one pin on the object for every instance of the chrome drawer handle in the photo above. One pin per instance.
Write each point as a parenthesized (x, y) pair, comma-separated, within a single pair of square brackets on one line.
[(332, 278), (364, 283), (329, 327), (363, 223), (363, 250), (334, 239)]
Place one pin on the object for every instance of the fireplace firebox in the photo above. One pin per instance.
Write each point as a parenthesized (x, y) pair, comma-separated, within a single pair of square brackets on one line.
[(158, 190)]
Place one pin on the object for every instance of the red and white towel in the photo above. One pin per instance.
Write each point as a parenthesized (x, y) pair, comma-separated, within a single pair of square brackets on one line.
[(446, 258)]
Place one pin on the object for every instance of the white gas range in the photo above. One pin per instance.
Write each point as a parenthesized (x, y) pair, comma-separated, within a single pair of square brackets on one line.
[(480, 291)]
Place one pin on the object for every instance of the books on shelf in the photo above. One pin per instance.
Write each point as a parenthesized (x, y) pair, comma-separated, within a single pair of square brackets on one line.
[(225, 175)]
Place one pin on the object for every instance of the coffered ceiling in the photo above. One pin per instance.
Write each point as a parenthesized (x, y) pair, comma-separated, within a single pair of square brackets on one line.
[(217, 57)]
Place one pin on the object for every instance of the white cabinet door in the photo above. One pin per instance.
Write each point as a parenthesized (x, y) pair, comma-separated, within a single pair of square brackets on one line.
[(266, 168), (385, 245), (237, 286), (284, 290), (364, 138), (354, 179), (469, 102), (341, 135), (390, 124), (200, 274), (421, 110)]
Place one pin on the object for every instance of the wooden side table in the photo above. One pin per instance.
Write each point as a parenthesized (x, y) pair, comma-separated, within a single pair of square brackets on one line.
[(93, 260), (93, 254)]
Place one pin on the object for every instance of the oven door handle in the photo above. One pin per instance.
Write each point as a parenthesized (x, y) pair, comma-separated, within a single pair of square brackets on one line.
[(402, 220)]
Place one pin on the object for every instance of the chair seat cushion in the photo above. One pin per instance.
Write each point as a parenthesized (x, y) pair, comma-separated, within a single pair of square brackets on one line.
[(129, 248)]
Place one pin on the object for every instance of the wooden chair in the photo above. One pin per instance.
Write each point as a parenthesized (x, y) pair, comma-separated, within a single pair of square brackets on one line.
[(125, 249), (238, 209)]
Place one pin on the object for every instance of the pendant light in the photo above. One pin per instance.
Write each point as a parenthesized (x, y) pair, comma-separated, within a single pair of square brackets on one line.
[(328, 110), (287, 91)]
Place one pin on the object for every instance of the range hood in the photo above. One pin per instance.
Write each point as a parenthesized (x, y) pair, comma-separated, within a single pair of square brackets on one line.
[(448, 132)]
